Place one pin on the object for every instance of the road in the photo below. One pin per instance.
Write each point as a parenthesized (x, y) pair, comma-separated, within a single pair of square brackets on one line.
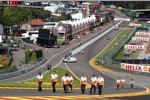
[(54, 57), (91, 51), (82, 66)]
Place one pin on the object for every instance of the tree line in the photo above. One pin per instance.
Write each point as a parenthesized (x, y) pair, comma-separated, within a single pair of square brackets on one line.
[(18, 15), (13, 15)]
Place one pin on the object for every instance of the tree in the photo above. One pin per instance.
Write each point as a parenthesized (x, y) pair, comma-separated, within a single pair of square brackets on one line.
[(33, 57), (57, 18), (28, 55), (1, 13), (68, 16), (63, 14), (18, 15)]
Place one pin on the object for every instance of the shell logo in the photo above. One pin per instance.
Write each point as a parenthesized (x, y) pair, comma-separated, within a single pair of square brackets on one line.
[(125, 46), (145, 69), (122, 66)]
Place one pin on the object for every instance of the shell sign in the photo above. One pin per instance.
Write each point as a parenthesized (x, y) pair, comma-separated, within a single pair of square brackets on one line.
[(135, 67), (140, 47), (141, 39), (135, 25), (142, 34)]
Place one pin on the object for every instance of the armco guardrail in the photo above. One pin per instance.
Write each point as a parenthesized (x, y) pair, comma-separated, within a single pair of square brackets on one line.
[(20, 72)]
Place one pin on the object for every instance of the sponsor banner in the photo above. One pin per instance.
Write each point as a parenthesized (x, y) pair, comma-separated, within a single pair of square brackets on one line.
[(140, 47), (135, 25), (122, 19), (141, 39), (142, 34), (135, 67)]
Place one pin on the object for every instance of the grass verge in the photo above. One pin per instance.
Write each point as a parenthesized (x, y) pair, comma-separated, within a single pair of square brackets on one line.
[(60, 41), (120, 55)]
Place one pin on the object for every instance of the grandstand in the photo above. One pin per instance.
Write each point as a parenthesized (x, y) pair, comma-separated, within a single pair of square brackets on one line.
[(141, 54), (137, 48)]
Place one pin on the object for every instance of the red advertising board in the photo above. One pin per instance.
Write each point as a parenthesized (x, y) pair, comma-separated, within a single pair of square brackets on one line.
[(14, 2), (135, 67), (135, 25), (142, 34), (140, 47), (141, 39)]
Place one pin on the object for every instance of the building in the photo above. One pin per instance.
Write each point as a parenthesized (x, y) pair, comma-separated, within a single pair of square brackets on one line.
[(85, 9), (82, 26), (61, 10), (46, 38), (64, 30), (92, 8), (54, 6), (77, 16), (143, 15), (1, 33), (78, 27), (50, 25), (35, 24)]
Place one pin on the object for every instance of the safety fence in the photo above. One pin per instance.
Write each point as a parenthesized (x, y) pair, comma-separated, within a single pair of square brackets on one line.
[(23, 68)]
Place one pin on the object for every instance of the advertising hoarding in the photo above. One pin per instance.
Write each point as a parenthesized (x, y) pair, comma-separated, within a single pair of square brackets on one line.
[(140, 47), (140, 39), (135, 67)]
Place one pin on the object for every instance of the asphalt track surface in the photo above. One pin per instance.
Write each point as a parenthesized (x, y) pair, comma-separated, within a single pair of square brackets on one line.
[(91, 51)]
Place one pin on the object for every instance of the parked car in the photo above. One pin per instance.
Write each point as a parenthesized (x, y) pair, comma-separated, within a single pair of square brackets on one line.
[(70, 60)]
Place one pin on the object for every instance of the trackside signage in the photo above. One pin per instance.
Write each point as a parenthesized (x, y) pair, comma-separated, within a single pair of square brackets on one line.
[(142, 34), (122, 19), (141, 39), (135, 25), (135, 67), (140, 47)]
